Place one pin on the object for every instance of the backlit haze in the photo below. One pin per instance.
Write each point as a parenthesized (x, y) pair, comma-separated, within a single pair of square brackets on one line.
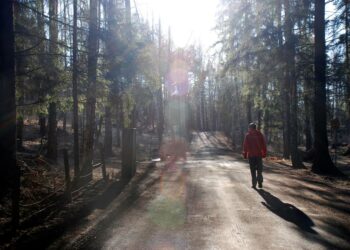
[(191, 21)]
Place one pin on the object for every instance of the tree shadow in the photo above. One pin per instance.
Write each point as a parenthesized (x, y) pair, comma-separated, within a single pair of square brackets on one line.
[(117, 187), (287, 212), (215, 140)]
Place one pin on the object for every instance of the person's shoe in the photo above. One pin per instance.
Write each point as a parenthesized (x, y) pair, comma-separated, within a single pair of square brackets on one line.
[(253, 186), (260, 185)]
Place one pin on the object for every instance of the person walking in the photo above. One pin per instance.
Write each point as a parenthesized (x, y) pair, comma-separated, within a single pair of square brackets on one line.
[(254, 148)]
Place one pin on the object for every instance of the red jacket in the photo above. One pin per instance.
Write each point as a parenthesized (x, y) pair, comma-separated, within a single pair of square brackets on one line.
[(254, 144)]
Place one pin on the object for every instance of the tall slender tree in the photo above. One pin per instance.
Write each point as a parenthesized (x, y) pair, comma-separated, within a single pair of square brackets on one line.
[(291, 85), (322, 162), (160, 125), (52, 76), (75, 90), (9, 171), (91, 89)]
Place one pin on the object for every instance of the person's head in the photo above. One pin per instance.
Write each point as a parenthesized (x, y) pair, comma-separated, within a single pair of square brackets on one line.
[(252, 125)]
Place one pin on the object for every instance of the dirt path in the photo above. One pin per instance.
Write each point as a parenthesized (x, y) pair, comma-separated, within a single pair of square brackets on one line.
[(207, 203)]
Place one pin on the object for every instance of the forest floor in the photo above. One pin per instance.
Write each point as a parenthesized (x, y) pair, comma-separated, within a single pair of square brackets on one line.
[(207, 202), (44, 210)]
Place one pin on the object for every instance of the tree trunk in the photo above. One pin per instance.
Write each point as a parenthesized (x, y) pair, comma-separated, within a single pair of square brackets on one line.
[(75, 93), (267, 125), (20, 125), (42, 125), (286, 121), (113, 75), (98, 130), (82, 134), (91, 91), (308, 136), (198, 118), (43, 61), (129, 70), (308, 107), (9, 171), (202, 104), (322, 162), (265, 113), (347, 62), (64, 122), (249, 110), (52, 134), (284, 87), (108, 132), (118, 116), (304, 33), (53, 49), (160, 125), (291, 81)]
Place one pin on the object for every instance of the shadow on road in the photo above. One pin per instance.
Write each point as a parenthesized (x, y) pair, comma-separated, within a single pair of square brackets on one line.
[(116, 188), (71, 229), (287, 211)]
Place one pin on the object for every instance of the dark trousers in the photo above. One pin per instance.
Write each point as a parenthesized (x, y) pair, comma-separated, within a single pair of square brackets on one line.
[(256, 168)]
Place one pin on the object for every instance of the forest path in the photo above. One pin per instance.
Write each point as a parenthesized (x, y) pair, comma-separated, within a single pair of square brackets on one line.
[(208, 203)]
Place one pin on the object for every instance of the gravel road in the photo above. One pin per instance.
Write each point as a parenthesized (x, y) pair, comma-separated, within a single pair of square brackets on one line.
[(207, 203)]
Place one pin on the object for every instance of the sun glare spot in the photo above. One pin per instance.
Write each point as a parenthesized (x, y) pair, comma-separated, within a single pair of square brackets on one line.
[(190, 21)]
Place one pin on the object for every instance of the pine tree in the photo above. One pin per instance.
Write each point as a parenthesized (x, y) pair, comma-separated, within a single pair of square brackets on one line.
[(10, 174), (322, 162), (91, 89)]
